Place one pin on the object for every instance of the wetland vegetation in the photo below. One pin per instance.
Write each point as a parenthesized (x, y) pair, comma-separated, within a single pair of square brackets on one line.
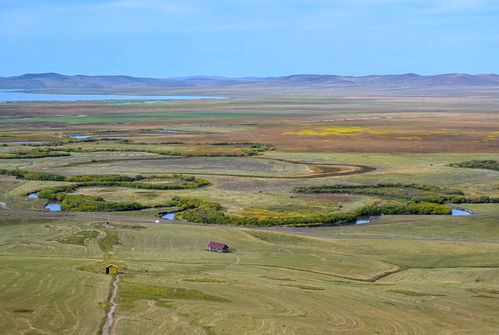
[(489, 164)]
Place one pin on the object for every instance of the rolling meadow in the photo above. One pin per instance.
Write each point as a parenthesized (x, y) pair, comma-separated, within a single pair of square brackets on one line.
[(231, 171)]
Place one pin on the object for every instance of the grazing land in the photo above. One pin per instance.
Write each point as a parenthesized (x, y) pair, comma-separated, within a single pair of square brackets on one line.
[(254, 172)]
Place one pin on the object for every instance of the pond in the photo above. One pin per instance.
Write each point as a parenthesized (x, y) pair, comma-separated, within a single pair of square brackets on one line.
[(19, 95), (33, 195), (81, 137), (169, 216), (53, 207), (460, 212), (364, 220)]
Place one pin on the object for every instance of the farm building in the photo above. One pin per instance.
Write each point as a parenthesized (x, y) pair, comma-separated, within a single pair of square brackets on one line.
[(218, 247), (112, 270)]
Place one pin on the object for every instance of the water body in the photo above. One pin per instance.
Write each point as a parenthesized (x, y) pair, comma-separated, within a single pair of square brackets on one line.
[(459, 212), (53, 207), (22, 142), (364, 220), (24, 96), (169, 216), (138, 102), (33, 195), (81, 137)]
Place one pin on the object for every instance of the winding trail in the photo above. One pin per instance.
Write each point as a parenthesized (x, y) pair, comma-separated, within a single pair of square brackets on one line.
[(109, 319)]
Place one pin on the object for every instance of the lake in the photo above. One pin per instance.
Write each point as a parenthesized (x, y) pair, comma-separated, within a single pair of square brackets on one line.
[(459, 212), (33, 195), (23, 96), (169, 216), (53, 207)]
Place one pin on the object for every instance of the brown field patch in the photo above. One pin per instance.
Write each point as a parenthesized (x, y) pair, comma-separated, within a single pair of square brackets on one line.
[(360, 124)]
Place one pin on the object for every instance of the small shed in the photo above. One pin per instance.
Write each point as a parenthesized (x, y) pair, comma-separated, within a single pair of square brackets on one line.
[(218, 247), (112, 270)]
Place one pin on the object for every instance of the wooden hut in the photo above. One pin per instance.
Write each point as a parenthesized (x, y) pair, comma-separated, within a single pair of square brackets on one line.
[(112, 270), (218, 247)]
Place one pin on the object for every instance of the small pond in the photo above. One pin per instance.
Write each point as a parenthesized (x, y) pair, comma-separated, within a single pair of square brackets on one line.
[(53, 207), (81, 137), (169, 216), (460, 212), (363, 220), (33, 195)]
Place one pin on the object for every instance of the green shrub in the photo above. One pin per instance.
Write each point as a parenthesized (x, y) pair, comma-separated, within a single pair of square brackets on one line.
[(201, 211), (35, 153), (86, 203), (478, 164), (32, 175)]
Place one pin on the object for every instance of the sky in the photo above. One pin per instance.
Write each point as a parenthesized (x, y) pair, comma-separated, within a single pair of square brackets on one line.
[(237, 38)]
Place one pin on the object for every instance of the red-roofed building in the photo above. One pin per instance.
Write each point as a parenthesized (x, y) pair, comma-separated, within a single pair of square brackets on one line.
[(218, 247)]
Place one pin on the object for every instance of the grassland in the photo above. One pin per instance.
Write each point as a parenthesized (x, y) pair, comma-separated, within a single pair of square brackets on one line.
[(310, 284), (401, 274)]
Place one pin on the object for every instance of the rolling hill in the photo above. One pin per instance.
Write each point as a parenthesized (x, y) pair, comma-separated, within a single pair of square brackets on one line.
[(409, 80)]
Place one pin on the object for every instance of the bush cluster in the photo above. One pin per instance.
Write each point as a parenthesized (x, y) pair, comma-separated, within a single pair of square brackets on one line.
[(430, 194), (28, 175), (253, 150), (89, 203), (111, 180), (376, 188), (201, 211), (478, 164), (35, 153), (441, 199), (86, 203)]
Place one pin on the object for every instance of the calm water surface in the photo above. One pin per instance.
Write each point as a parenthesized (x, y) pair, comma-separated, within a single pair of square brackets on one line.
[(459, 212), (20, 96), (169, 216), (53, 207)]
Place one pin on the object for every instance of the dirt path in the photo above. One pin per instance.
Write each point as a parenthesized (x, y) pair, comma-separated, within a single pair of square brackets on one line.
[(110, 313)]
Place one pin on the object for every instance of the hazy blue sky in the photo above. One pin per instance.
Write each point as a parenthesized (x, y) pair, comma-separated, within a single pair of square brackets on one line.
[(163, 38)]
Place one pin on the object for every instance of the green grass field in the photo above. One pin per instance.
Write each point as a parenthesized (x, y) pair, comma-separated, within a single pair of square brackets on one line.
[(273, 282), (397, 275)]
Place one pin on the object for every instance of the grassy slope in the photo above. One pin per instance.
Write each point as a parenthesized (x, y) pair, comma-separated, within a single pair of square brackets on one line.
[(42, 292), (281, 283), (274, 283)]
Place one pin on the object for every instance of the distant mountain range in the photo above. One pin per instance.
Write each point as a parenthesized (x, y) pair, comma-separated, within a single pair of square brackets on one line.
[(409, 80)]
